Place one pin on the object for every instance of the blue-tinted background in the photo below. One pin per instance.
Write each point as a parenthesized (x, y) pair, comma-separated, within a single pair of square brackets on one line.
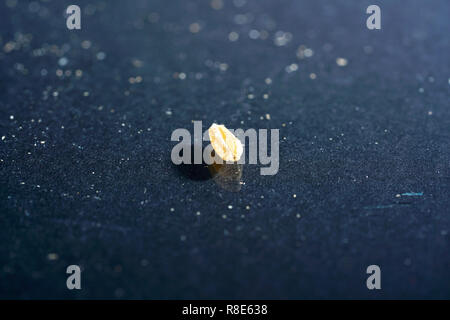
[(86, 175)]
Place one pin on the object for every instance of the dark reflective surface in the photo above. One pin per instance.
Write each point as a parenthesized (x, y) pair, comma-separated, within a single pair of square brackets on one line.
[(85, 170), (227, 176), (191, 170)]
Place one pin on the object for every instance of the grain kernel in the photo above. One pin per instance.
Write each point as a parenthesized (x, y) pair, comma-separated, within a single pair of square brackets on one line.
[(225, 144)]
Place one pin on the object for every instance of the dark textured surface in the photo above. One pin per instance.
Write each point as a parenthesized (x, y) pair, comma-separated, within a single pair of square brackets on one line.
[(99, 191)]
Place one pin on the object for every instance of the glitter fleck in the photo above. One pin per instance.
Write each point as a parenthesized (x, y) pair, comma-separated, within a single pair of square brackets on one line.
[(63, 61), (101, 56), (291, 68), (254, 34), (217, 4), (86, 44), (52, 256), (412, 194), (240, 19), (223, 67), (341, 62), (308, 53), (233, 36), (194, 27), (282, 38)]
